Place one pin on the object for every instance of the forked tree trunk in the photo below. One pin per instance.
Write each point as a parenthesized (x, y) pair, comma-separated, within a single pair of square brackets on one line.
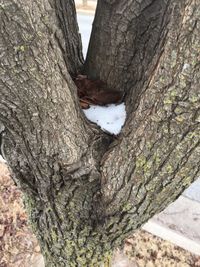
[(85, 190)]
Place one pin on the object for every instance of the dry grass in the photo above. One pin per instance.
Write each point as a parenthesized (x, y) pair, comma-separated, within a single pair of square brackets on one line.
[(149, 251), (19, 248)]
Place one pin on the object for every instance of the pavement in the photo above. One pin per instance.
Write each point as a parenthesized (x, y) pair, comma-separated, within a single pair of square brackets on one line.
[(179, 223)]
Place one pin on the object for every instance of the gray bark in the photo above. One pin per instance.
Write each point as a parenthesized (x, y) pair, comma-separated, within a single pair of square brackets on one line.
[(86, 190), (67, 35)]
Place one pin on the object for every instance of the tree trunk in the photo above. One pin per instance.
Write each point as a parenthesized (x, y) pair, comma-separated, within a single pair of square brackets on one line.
[(85, 190)]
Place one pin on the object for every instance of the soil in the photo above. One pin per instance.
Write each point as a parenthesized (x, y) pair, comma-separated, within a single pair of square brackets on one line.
[(19, 247)]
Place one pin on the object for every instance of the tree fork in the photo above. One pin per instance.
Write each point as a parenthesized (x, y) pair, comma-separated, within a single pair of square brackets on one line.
[(85, 190)]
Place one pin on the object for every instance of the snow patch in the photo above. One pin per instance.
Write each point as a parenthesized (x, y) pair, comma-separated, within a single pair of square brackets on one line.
[(110, 118)]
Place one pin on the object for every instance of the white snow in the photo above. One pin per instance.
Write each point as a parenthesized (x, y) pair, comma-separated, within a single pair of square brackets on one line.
[(110, 118)]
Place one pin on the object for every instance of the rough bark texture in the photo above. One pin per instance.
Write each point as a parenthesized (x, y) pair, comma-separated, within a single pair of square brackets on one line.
[(85, 190), (69, 39), (54, 153), (127, 35)]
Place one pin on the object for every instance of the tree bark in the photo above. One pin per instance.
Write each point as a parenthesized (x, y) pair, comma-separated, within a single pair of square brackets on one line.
[(69, 39), (52, 150), (85, 190), (128, 36)]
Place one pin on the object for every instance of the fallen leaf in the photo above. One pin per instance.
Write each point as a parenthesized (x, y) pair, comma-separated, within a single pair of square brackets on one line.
[(95, 92)]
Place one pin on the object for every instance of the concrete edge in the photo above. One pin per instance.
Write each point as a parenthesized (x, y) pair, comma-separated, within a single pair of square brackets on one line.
[(170, 235)]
